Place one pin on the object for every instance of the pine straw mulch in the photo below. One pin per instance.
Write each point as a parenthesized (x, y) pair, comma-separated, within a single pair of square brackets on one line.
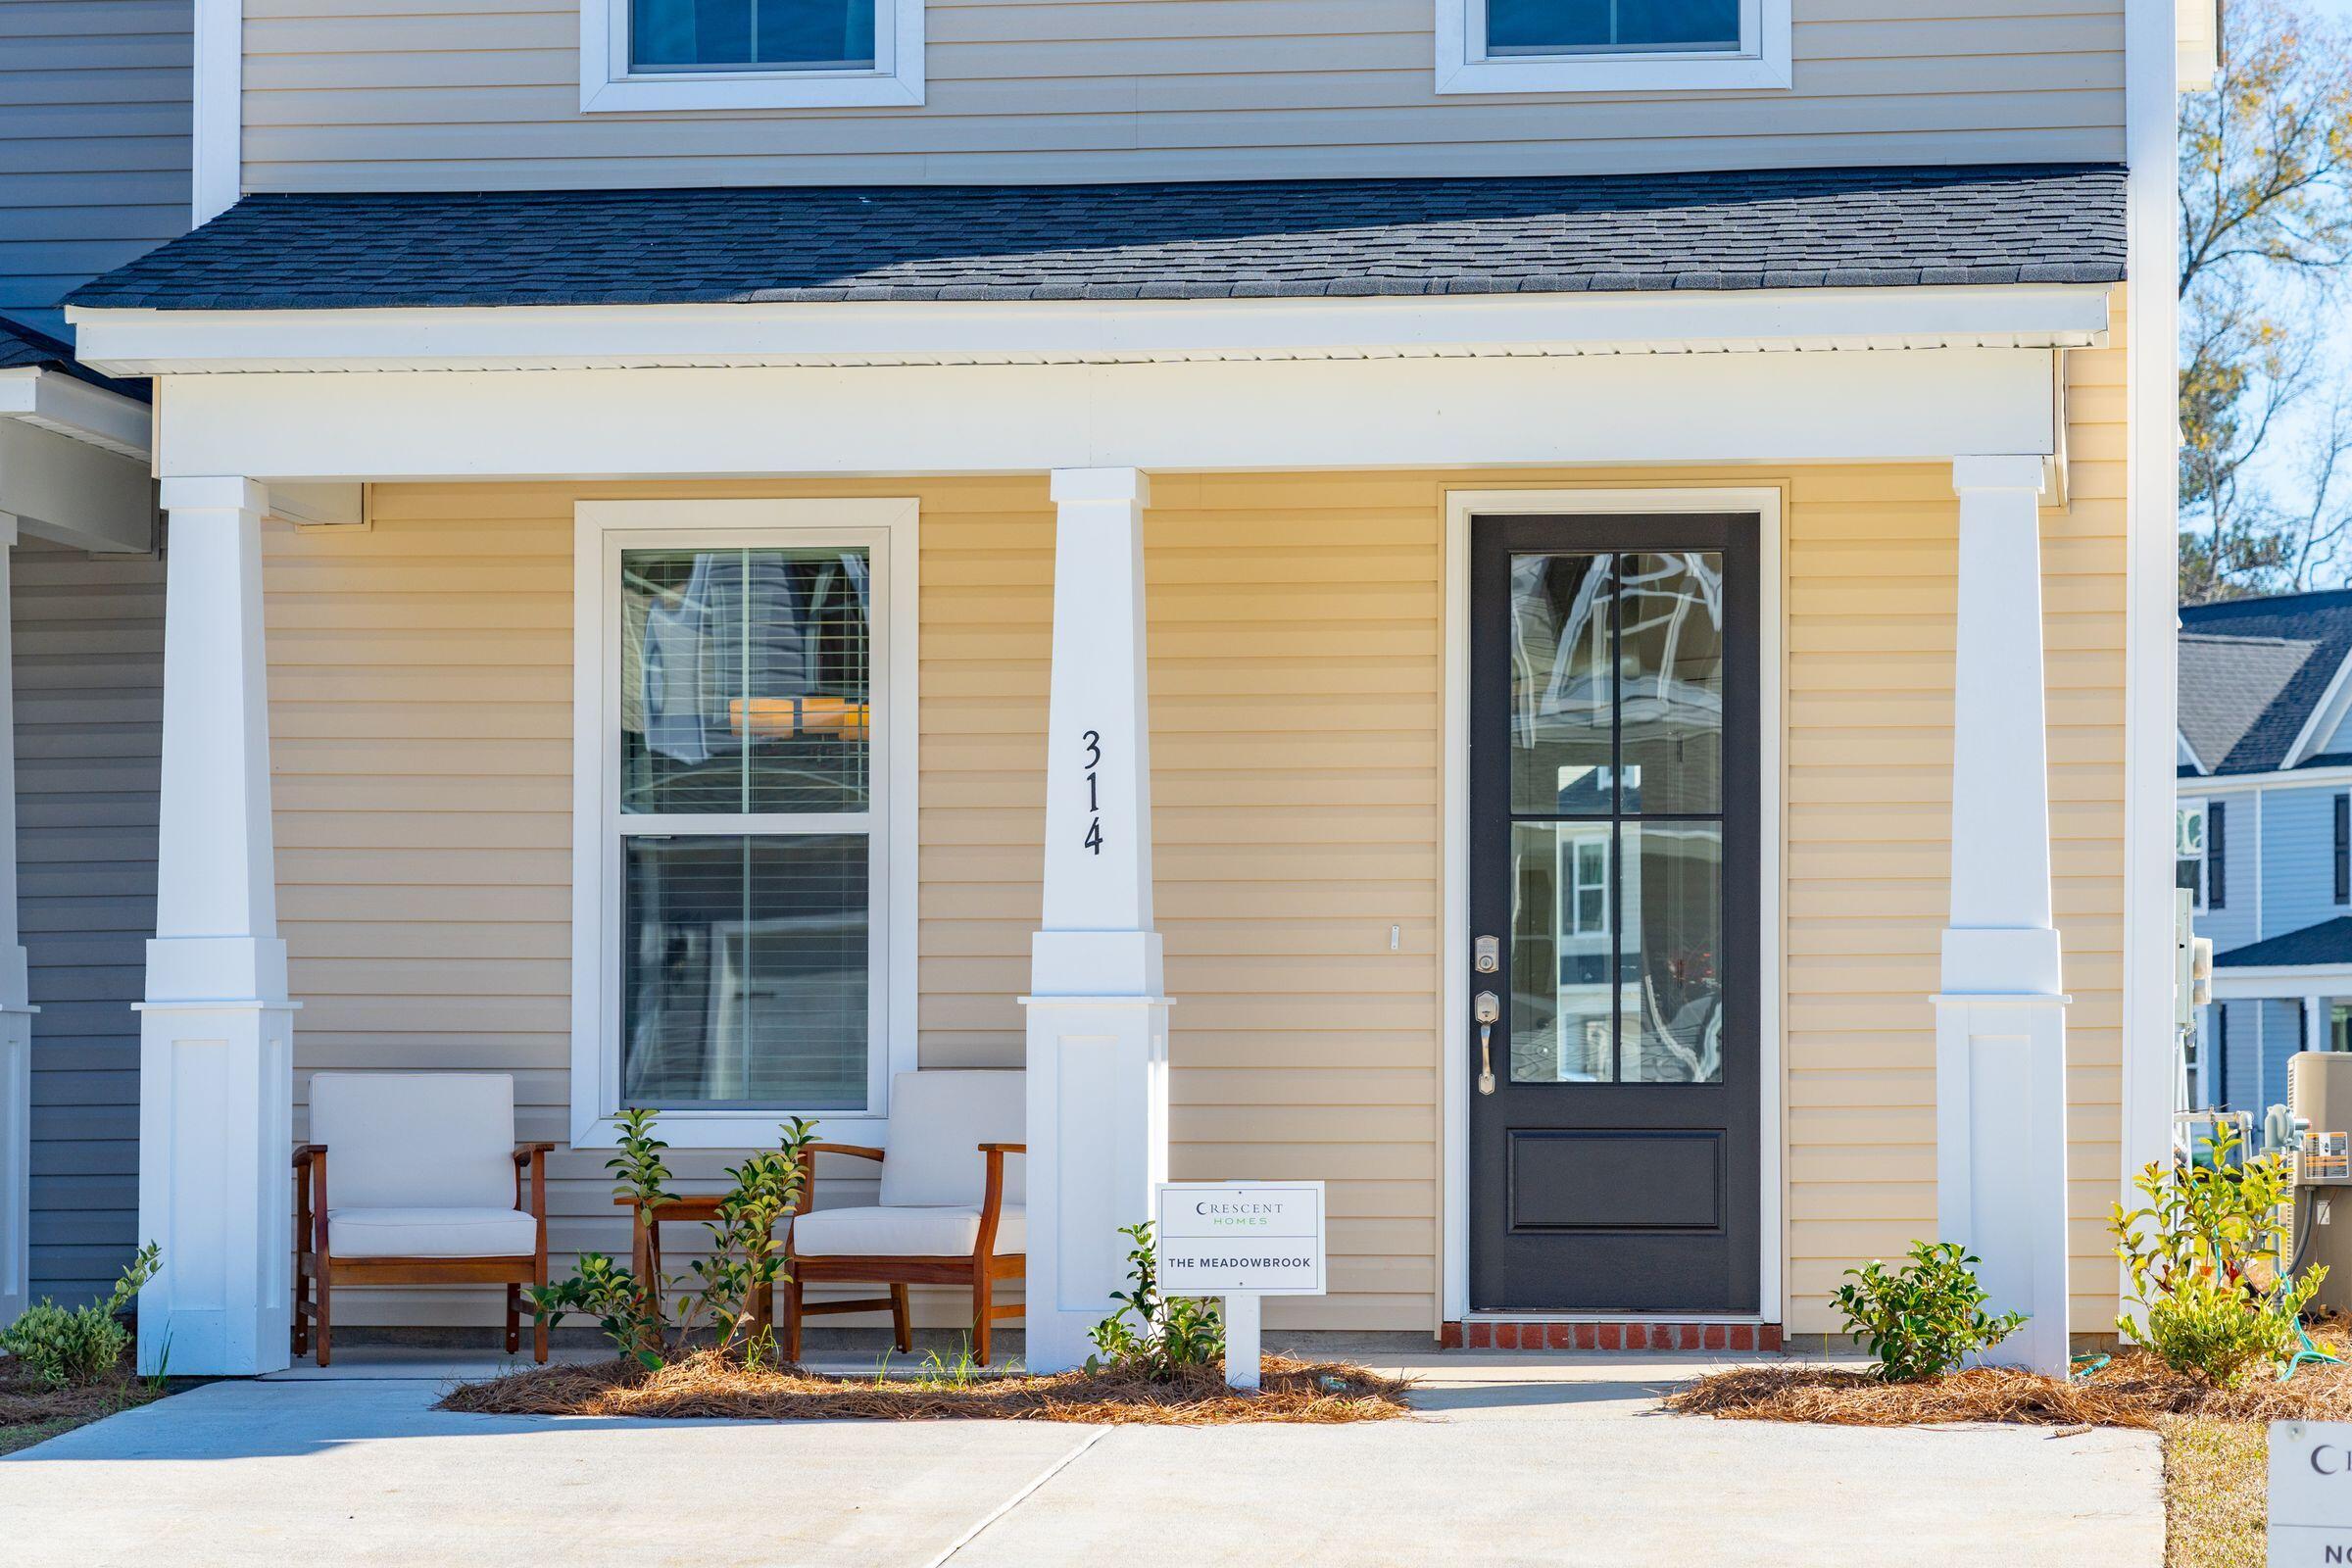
[(705, 1384), (32, 1413), (2133, 1390)]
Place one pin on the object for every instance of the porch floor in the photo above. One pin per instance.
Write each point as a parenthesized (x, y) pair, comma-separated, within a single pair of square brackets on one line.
[(1519, 1458)]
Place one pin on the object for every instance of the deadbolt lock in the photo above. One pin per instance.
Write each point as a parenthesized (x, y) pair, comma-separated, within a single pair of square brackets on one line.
[(1487, 954)]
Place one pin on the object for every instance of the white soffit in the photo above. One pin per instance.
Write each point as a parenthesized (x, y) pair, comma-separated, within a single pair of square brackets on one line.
[(75, 410), (151, 342)]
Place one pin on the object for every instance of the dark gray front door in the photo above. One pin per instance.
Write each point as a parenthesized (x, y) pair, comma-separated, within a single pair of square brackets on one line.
[(1613, 821)]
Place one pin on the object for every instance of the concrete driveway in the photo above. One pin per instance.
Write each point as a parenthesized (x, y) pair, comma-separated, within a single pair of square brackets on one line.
[(1518, 1460)]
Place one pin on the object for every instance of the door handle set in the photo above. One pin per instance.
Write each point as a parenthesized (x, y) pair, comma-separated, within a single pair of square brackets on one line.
[(1487, 1009)]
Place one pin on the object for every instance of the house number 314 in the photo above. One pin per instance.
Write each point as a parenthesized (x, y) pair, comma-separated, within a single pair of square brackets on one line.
[(1094, 794)]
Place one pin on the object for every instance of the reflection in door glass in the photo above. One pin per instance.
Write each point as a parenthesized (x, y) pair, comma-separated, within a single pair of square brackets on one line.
[(1564, 954), (1674, 930), (1670, 675), (1560, 689)]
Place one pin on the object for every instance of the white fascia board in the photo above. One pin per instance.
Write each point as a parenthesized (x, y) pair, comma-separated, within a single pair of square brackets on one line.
[(911, 420), (152, 342), (77, 411), (2280, 981), (2188, 753)]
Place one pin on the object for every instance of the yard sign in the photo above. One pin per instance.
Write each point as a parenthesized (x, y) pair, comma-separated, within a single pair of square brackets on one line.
[(2311, 1494), (1240, 1240)]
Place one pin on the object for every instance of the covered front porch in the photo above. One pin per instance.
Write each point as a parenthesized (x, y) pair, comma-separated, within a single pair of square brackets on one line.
[(1166, 610)]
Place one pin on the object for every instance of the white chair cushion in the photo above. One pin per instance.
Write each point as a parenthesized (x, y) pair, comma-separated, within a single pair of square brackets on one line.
[(904, 1232), (938, 1121), (415, 1140), (430, 1233)]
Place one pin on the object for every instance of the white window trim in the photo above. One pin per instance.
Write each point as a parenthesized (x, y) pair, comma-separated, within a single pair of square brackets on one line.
[(889, 528), (608, 85), (1465, 67), (2197, 803)]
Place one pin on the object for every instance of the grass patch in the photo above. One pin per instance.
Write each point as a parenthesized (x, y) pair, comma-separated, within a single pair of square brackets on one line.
[(2133, 1390), (706, 1384), (32, 1413), (2216, 1478)]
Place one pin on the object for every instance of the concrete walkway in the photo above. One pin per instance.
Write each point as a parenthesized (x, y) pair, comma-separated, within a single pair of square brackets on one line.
[(1516, 1459)]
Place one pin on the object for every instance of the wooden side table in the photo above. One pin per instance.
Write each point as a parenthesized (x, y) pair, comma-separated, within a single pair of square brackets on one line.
[(645, 1244)]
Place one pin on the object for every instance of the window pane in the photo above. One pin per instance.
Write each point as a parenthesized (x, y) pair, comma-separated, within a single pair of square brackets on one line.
[(751, 34), (1602, 26), (1670, 677), (1560, 684), (744, 977), (744, 680), (1562, 953), (1673, 902)]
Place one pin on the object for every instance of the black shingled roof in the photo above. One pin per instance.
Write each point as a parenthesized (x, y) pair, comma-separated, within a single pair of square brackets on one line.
[(2329, 941), (1778, 228), (2266, 713), (24, 347)]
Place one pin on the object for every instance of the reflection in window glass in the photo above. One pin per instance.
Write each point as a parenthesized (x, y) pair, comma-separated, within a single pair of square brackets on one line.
[(744, 678), (1670, 680), (744, 976), (1560, 689), (1674, 946), (751, 34), (1564, 954), (1611, 26)]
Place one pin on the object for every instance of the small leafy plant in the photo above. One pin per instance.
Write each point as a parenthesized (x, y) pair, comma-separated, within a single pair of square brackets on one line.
[(1168, 1333), (84, 1345), (746, 1260), (2202, 1255), (1924, 1318)]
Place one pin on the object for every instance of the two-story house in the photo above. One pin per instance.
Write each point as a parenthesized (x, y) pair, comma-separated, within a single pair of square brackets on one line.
[(2264, 834), (1556, 617)]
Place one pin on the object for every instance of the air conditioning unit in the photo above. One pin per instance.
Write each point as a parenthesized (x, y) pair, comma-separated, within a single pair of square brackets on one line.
[(2319, 1090)]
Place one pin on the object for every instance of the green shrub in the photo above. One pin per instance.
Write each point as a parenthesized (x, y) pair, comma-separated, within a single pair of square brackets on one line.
[(1169, 1333), (1924, 1318), (79, 1347), (2202, 1255)]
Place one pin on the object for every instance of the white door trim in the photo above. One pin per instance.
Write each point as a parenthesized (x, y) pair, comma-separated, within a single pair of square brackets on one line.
[(1453, 1208)]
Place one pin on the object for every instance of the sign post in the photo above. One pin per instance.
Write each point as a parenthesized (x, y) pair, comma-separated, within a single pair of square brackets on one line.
[(1240, 1240)]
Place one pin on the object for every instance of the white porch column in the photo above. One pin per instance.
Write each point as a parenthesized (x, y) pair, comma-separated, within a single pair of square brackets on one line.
[(2315, 1024), (1098, 1023), (216, 1036), (2000, 1019), (16, 1006)]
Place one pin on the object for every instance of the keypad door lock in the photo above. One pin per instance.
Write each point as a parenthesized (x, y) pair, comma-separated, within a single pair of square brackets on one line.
[(1487, 954)]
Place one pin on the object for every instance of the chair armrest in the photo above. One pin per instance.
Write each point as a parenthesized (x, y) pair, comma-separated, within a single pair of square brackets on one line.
[(524, 1151), (304, 1153), (1003, 1148), (861, 1151), (991, 1200)]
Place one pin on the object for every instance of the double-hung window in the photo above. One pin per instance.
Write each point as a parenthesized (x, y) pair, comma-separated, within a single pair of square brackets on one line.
[(745, 752), (2188, 849), (749, 54), (1611, 45)]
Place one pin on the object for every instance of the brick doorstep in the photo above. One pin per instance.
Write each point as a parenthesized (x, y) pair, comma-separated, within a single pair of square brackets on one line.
[(1643, 1334)]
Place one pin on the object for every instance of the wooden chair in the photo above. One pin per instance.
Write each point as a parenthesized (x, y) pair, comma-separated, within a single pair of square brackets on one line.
[(428, 1190), (950, 1211)]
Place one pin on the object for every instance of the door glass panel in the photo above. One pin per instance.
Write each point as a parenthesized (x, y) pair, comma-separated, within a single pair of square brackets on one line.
[(1670, 672), (1563, 953), (1561, 741), (1673, 893), (744, 678)]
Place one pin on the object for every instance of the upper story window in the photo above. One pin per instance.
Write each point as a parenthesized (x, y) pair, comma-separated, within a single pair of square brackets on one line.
[(1611, 45), (2189, 849), (749, 54)]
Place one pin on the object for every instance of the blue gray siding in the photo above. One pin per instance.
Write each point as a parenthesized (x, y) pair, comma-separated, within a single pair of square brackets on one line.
[(2252, 1067), (88, 641), (2298, 859), (94, 143)]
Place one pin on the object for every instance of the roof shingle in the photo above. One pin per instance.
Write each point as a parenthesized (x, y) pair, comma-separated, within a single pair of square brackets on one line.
[(1271, 239)]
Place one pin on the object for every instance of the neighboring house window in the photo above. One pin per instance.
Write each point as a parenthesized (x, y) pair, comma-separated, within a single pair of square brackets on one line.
[(744, 706), (1587, 886), (2189, 849), (1611, 45), (2343, 849), (749, 54)]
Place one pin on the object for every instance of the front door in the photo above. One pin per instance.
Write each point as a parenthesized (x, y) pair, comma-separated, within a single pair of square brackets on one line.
[(1613, 909)]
